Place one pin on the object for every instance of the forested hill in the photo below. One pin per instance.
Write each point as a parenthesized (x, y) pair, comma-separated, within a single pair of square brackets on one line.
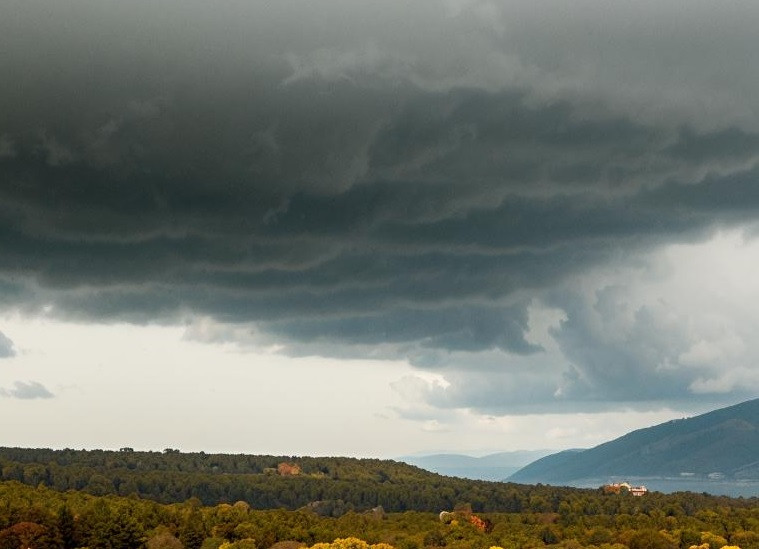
[(244, 489), (200, 462), (723, 443), (264, 482), (40, 518)]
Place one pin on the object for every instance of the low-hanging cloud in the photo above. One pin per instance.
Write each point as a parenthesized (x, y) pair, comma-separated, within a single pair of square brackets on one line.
[(7, 348), (24, 390), (377, 189)]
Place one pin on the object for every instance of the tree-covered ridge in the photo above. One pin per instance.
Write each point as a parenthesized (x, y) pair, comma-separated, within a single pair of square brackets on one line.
[(172, 476), (201, 462), (723, 442), (41, 518), (329, 486)]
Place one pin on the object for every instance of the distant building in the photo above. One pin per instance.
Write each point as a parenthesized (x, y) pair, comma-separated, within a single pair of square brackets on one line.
[(288, 469), (619, 487), (638, 490), (616, 487)]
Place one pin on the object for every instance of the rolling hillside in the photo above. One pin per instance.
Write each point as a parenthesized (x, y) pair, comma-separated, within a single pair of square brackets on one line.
[(722, 443), (327, 485), (491, 467)]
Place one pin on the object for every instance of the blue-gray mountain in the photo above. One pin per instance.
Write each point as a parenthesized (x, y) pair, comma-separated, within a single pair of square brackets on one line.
[(720, 444), (491, 467)]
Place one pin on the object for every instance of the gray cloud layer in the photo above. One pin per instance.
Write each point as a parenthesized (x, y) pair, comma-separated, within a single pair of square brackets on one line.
[(26, 391), (412, 180), (7, 348)]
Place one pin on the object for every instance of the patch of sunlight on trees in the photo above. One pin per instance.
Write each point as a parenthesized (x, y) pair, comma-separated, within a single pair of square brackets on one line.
[(351, 543)]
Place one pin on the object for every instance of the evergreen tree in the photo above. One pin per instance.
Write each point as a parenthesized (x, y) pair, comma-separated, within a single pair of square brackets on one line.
[(66, 527)]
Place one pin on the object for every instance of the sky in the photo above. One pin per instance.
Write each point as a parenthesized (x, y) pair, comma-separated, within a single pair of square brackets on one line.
[(374, 228)]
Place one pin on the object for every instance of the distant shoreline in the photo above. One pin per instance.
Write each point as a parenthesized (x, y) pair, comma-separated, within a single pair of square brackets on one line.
[(668, 485)]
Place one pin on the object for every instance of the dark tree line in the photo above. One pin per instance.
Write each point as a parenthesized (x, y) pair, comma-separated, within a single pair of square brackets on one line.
[(358, 484)]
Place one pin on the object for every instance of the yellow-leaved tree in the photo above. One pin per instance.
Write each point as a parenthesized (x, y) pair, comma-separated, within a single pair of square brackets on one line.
[(351, 543)]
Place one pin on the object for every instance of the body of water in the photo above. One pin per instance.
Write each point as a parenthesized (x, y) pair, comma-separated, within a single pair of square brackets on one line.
[(732, 488)]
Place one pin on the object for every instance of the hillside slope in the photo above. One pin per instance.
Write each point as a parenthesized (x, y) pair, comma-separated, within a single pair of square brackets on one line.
[(327, 485), (724, 441), (491, 467)]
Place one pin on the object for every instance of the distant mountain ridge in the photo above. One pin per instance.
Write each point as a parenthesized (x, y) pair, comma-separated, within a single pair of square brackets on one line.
[(496, 466), (723, 443)]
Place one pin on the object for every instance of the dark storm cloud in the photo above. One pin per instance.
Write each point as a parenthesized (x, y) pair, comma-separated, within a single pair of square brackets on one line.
[(349, 185)]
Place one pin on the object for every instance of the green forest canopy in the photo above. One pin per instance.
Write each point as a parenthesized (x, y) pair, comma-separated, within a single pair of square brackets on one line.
[(64, 499)]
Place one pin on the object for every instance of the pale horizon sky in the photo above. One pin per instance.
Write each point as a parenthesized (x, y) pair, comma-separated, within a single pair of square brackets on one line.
[(124, 394), (371, 228)]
